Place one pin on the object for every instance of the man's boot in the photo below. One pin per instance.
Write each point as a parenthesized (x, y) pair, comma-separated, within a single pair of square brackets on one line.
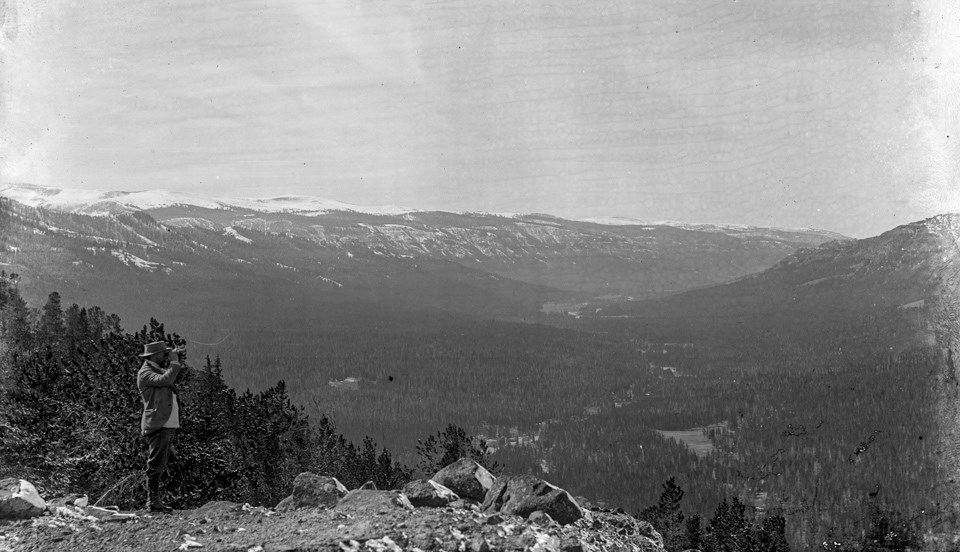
[(154, 504)]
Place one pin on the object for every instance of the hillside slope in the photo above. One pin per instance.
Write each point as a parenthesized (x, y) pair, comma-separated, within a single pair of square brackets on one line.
[(909, 269)]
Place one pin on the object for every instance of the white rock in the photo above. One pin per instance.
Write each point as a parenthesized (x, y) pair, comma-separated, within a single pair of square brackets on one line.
[(19, 499)]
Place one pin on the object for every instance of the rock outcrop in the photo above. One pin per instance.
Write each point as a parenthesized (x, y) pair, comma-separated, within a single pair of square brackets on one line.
[(428, 493), (523, 495), (19, 499), (466, 478), (311, 490)]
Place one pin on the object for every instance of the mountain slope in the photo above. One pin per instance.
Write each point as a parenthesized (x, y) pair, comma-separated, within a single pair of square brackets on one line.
[(910, 269), (637, 259), (116, 258)]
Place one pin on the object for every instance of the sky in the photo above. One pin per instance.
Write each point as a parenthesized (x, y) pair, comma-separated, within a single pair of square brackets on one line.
[(840, 115)]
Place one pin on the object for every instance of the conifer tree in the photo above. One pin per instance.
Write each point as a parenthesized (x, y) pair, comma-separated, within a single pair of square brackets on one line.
[(694, 531), (771, 536), (667, 517), (729, 530), (50, 326), (443, 449)]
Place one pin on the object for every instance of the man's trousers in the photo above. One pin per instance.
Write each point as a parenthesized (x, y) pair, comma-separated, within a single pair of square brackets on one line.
[(160, 445)]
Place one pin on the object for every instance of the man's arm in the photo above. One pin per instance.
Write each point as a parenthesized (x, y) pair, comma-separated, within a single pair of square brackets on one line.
[(149, 378)]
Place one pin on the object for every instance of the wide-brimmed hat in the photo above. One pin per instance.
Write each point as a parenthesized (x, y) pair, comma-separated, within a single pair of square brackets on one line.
[(154, 348)]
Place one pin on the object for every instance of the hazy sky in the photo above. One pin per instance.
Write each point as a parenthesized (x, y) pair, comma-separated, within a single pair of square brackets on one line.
[(835, 114)]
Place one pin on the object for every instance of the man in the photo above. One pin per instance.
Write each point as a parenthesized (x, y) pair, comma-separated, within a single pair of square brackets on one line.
[(161, 413)]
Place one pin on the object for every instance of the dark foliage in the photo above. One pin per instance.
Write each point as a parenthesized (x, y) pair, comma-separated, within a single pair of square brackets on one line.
[(667, 517), (890, 531), (71, 418), (442, 449), (730, 529)]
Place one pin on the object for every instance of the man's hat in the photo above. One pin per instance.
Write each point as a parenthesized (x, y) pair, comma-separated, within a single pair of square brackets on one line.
[(154, 348)]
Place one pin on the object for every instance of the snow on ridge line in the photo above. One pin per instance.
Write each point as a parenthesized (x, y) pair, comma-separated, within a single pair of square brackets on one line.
[(81, 201), (626, 221), (707, 226), (92, 202), (77, 200), (309, 205), (41, 196)]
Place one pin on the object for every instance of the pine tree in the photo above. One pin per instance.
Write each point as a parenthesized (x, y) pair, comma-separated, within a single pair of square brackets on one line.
[(771, 536), (729, 530), (50, 327), (667, 517), (77, 328), (436, 452), (694, 531)]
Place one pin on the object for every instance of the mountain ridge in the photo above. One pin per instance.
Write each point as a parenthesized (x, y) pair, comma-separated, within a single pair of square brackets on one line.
[(97, 202), (573, 256)]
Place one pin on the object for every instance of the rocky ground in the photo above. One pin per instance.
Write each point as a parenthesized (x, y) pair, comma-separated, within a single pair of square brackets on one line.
[(227, 526), (461, 509)]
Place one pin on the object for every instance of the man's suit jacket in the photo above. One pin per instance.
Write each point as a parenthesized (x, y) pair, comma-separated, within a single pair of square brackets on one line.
[(156, 390)]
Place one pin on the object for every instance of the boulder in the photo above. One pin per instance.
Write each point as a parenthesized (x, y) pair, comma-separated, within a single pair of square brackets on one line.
[(372, 502), (19, 499), (522, 495), (285, 505), (313, 491), (428, 493), (466, 478)]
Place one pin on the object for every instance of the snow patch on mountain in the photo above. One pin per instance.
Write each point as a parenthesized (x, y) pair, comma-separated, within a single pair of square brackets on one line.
[(614, 221), (42, 196), (329, 281), (136, 262), (95, 201), (195, 222), (99, 202), (230, 231), (312, 206), (730, 229)]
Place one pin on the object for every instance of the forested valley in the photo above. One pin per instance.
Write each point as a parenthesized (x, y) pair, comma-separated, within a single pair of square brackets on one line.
[(833, 441), (70, 413)]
